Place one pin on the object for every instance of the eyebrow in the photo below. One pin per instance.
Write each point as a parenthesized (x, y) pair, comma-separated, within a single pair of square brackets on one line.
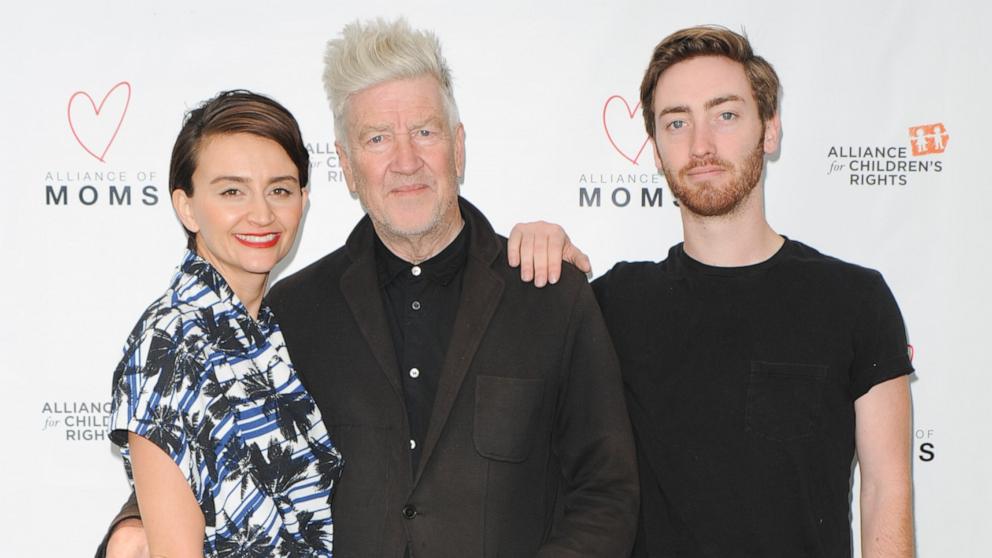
[(245, 180), (375, 129), (720, 100), (416, 125), (716, 101), (669, 110)]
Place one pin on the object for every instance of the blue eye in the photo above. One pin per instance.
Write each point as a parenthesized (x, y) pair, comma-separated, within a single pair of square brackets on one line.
[(677, 124), (727, 116)]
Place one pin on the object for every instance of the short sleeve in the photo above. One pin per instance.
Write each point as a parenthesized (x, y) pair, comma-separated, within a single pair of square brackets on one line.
[(880, 348), (155, 395)]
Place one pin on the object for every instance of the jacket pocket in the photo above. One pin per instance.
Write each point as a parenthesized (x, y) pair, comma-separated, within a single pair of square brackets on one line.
[(783, 399), (506, 415)]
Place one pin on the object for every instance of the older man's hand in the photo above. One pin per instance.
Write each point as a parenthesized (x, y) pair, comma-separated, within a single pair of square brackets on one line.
[(539, 248), (128, 540)]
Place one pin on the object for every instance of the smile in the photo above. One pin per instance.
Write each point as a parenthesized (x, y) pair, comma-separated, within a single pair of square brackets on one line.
[(267, 240)]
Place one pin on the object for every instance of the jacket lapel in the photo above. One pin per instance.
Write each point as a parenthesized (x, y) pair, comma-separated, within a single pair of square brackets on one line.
[(482, 289), (359, 284)]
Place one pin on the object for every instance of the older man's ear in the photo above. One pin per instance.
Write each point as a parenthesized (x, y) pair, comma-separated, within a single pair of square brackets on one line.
[(346, 168)]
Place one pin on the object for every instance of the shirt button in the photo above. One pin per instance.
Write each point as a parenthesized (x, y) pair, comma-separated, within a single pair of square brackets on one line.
[(415, 270), (413, 444), (415, 305), (409, 511), (414, 373)]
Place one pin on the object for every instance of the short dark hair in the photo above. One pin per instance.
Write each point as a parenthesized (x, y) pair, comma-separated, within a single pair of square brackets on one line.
[(234, 112), (710, 40)]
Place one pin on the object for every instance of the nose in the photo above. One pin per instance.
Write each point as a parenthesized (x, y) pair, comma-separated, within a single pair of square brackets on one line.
[(260, 212), (702, 141), (407, 159)]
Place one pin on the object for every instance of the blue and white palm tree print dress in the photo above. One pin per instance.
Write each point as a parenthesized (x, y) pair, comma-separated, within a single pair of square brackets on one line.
[(216, 391)]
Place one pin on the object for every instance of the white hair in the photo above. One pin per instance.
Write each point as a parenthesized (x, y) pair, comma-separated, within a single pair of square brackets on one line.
[(378, 51)]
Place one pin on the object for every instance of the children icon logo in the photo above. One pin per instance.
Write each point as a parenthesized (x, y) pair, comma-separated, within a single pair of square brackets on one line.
[(928, 139)]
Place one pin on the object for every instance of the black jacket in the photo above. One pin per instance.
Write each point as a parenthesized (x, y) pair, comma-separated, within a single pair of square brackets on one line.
[(529, 450)]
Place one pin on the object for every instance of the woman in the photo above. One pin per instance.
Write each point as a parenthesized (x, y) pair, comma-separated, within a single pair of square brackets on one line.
[(226, 450)]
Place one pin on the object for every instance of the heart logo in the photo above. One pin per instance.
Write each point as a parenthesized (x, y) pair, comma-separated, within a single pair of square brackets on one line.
[(623, 129), (95, 126)]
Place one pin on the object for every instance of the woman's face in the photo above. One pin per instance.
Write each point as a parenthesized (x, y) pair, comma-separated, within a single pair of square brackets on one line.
[(246, 205)]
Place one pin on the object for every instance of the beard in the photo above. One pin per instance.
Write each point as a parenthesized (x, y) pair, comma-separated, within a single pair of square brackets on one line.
[(710, 198)]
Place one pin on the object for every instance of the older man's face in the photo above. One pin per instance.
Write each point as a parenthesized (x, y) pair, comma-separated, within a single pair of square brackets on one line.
[(403, 159)]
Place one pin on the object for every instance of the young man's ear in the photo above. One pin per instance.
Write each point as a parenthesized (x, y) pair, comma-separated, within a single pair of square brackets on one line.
[(657, 155), (773, 134)]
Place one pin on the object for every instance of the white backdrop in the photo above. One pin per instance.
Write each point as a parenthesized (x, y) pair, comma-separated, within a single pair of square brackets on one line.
[(545, 91)]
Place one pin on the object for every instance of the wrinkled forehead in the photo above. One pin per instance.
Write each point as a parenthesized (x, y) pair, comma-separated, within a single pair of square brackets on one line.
[(403, 100)]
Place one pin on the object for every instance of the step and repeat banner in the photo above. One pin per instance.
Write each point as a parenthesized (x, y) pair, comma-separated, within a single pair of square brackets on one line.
[(883, 162)]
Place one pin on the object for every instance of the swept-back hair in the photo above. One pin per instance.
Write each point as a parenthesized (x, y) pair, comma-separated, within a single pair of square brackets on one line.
[(373, 52), (710, 40), (234, 112)]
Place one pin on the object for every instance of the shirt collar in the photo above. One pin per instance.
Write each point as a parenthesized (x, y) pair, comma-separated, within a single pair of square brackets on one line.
[(194, 275), (441, 268), (687, 264)]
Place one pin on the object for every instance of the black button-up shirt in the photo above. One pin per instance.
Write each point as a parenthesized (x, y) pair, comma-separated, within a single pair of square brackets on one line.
[(421, 302)]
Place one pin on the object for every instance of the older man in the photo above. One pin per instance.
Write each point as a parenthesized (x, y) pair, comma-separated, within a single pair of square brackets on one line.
[(477, 415)]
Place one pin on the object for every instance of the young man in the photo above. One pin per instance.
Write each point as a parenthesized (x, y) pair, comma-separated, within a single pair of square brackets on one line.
[(754, 365)]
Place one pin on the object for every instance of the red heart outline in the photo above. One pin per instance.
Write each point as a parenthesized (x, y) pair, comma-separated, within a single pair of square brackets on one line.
[(96, 110), (631, 113)]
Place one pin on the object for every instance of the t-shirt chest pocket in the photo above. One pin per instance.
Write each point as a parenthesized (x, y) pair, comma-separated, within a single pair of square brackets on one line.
[(784, 399)]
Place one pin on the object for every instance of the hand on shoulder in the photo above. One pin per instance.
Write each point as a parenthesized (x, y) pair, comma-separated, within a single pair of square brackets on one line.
[(539, 248)]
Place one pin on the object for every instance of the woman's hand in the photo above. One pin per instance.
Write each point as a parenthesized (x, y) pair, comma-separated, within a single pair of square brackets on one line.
[(128, 540)]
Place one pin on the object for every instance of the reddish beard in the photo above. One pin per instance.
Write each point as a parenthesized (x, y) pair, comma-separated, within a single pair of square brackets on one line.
[(711, 198)]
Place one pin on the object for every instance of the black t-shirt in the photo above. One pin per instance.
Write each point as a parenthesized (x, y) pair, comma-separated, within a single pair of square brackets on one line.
[(741, 384)]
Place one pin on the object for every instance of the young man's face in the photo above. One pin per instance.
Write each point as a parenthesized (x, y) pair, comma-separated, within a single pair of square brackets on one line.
[(709, 139)]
